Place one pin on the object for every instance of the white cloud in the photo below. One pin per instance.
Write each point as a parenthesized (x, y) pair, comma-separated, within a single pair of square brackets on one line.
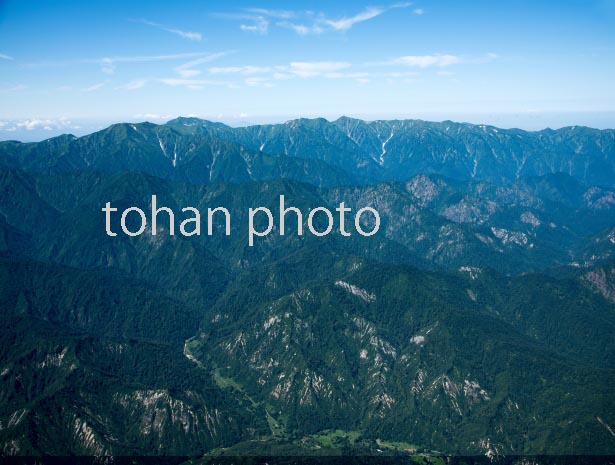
[(397, 74), (257, 82), (108, 64), (484, 59), (306, 69), (305, 22), (425, 61), (250, 21), (302, 29), (30, 124), (61, 123), (259, 26), (344, 24), (5, 57), (435, 60), (133, 85), (186, 70), (195, 36), (338, 75), (259, 19), (188, 73), (94, 87), (245, 70), (301, 69), (193, 84), (278, 14), (266, 76), (419, 11)]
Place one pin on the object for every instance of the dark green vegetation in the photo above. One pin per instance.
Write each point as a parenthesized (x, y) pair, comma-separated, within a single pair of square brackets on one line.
[(480, 320)]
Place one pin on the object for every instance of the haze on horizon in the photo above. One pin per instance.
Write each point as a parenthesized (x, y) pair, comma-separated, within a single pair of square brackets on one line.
[(74, 67)]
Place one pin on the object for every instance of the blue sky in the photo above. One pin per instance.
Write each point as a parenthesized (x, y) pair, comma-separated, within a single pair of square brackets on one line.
[(74, 66)]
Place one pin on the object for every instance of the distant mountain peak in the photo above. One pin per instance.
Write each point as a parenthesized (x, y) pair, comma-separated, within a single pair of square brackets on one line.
[(194, 121)]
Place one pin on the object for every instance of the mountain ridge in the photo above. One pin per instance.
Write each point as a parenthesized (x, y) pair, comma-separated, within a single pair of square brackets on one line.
[(362, 152)]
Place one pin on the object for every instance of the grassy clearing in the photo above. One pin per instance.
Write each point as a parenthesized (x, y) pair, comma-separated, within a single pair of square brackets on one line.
[(397, 446)]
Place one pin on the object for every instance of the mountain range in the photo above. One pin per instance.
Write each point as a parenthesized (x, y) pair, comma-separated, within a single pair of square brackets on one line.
[(479, 320)]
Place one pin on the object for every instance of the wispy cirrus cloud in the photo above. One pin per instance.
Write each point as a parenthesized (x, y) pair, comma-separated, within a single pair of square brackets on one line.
[(4, 56), (302, 29), (259, 26), (108, 64), (304, 23), (394, 69), (245, 70), (133, 85), (249, 22), (343, 24), (279, 14), (188, 70), (307, 69), (257, 20), (301, 69), (265, 76), (195, 36), (435, 60), (194, 84), (484, 59), (425, 61), (258, 82), (95, 87)]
